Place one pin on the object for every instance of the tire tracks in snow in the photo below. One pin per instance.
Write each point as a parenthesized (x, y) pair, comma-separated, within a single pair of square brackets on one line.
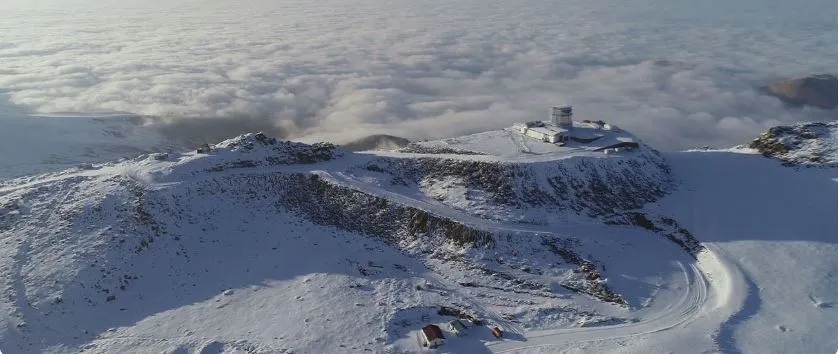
[(712, 272), (727, 283)]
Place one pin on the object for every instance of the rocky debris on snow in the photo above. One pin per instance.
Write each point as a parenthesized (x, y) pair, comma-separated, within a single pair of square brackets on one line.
[(439, 240), (802, 144), (377, 142), (668, 227), (329, 204), (816, 90), (259, 150), (493, 279), (542, 316), (459, 313), (588, 186), (159, 156), (593, 284), (422, 149)]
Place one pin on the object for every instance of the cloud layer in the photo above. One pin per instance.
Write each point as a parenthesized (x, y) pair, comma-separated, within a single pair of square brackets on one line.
[(678, 75)]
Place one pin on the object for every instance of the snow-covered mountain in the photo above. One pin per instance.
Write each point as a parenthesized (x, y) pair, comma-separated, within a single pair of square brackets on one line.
[(256, 245), (807, 144)]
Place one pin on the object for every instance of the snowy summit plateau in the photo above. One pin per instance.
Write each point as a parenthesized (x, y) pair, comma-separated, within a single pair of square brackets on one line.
[(561, 235)]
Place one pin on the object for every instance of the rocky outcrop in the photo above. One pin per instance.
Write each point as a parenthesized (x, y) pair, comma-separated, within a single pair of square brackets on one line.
[(587, 186), (817, 91), (436, 239), (661, 225), (255, 150), (329, 204), (422, 149), (595, 285), (803, 144)]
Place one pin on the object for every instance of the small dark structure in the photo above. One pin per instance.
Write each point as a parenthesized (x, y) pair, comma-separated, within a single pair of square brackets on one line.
[(457, 328), (204, 149), (496, 332), (160, 156)]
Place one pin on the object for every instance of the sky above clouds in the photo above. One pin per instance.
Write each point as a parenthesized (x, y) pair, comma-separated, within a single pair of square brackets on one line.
[(679, 74)]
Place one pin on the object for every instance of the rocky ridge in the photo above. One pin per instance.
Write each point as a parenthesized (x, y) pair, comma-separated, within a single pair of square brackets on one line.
[(802, 144)]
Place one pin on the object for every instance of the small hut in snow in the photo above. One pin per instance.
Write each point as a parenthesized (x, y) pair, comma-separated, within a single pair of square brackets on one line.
[(496, 332), (457, 327), (432, 336)]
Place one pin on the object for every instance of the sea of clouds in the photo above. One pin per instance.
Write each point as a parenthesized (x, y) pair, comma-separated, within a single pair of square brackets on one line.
[(679, 74)]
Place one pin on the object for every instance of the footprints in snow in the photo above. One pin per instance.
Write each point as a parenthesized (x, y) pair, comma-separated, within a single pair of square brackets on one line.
[(819, 303)]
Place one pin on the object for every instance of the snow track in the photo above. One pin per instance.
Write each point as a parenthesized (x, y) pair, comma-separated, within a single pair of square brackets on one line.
[(681, 313), (714, 289), (712, 278)]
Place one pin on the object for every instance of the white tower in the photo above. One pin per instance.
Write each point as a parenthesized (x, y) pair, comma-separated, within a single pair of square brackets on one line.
[(561, 116)]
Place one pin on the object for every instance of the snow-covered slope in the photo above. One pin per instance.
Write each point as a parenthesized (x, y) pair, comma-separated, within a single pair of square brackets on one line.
[(264, 246), (778, 226), (31, 144)]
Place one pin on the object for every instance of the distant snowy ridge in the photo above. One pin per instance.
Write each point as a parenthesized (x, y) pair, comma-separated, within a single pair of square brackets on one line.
[(802, 144)]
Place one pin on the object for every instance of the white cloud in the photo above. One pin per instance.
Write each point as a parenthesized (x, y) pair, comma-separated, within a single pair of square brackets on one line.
[(342, 69)]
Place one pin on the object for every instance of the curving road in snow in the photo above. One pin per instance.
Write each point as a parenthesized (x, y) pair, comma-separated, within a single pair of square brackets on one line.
[(714, 288)]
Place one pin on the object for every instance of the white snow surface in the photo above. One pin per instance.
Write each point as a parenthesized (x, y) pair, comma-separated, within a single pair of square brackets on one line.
[(508, 144), (235, 273), (31, 144)]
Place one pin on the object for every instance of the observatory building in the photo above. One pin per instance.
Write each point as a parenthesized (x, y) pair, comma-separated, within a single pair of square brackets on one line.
[(555, 131), (561, 117)]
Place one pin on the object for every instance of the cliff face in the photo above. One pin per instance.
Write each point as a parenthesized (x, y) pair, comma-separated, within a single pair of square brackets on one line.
[(438, 240), (529, 192)]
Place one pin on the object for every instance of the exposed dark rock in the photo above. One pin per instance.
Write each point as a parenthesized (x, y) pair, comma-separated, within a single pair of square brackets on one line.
[(639, 219), (459, 313), (816, 90), (253, 150), (662, 225), (595, 286), (807, 144), (420, 149), (587, 186), (329, 204)]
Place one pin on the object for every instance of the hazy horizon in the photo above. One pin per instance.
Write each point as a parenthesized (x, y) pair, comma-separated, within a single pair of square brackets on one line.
[(677, 74)]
